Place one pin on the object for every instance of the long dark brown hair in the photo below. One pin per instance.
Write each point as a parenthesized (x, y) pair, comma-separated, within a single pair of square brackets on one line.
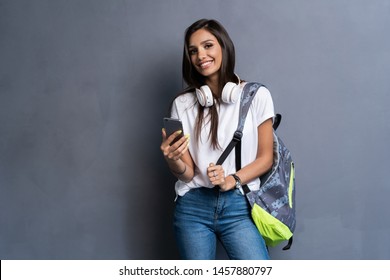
[(195, 80)]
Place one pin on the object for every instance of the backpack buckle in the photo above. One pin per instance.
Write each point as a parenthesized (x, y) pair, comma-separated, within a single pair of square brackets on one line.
[(237, 136)]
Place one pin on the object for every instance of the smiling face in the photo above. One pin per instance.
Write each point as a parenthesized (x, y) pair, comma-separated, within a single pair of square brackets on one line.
[(205, 53)]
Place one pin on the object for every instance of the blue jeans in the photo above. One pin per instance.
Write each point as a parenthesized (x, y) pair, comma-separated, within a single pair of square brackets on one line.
[(202, 215)]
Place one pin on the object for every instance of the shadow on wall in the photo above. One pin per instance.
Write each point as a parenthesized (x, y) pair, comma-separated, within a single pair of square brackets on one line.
[(151, 199)]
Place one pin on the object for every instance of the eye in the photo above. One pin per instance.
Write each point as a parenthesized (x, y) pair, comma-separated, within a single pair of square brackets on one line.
[(208, 46), (192, 51)]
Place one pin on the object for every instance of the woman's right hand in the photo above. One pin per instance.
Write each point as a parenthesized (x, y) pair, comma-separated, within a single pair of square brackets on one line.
[(175, 151)]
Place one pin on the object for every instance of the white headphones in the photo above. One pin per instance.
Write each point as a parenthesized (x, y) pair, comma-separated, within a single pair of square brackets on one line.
[(230, 94)]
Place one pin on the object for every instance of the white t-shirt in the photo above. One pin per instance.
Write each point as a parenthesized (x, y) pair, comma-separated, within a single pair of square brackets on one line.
[(185, 108)]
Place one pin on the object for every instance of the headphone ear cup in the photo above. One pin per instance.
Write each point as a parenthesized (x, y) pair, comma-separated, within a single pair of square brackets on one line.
[(205, 97), (230, 93)]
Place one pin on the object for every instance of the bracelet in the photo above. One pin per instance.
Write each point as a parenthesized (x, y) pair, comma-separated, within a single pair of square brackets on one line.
[(181, 173)]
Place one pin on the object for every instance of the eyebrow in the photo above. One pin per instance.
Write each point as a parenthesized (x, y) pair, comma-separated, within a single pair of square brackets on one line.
[(203, 42)]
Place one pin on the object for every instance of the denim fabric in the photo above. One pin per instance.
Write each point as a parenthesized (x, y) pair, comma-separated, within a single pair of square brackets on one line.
[(202, 215)]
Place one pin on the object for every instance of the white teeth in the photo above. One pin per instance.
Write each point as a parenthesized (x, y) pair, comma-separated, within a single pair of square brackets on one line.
[(205, 64)]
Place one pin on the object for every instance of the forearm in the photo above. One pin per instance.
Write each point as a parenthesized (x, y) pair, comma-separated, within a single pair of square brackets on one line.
[(255, 169), (181, 170), (177, 156), (245, 175)]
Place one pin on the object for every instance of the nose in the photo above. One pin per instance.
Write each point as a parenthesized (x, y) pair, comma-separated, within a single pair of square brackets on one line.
[(201, 54)]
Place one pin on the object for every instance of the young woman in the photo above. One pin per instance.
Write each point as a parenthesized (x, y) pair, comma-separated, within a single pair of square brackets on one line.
[(210, 204)]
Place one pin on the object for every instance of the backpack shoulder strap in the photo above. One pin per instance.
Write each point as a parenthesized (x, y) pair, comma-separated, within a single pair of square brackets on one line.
[(247, 96), (277, 120)]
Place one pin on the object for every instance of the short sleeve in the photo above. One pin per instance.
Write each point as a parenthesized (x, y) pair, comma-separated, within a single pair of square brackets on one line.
[(263, 105), (174, 110)]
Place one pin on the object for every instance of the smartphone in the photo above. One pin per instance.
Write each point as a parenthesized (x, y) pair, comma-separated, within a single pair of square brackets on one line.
[(172, 125)]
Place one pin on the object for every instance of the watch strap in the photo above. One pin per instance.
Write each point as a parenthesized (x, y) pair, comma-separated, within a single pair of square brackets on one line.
[(238, 180)]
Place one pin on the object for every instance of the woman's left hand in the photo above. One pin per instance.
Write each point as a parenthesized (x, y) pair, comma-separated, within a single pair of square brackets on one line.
[(217, 177)]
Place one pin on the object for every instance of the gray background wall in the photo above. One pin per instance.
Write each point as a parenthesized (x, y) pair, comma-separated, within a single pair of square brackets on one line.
[(84, 86)]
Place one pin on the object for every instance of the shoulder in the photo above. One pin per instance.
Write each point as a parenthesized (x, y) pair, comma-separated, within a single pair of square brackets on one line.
[(262, 105), (262, 92), (183, 102), (263, 96), (187, 98)]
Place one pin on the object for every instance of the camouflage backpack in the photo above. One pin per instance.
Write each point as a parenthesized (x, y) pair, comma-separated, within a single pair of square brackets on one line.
[(273, 205)]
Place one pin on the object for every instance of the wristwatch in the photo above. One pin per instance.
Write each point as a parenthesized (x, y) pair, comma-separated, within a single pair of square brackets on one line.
[(238, 180)]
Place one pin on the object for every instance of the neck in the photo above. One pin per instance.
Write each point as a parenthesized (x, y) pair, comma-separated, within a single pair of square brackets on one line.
[(213, 84)]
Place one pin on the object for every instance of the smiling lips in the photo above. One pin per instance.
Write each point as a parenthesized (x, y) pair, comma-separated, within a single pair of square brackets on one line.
[(205, 64)]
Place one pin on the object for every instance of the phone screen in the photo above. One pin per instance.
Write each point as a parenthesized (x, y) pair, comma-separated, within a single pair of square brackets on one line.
[(172, 125)]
